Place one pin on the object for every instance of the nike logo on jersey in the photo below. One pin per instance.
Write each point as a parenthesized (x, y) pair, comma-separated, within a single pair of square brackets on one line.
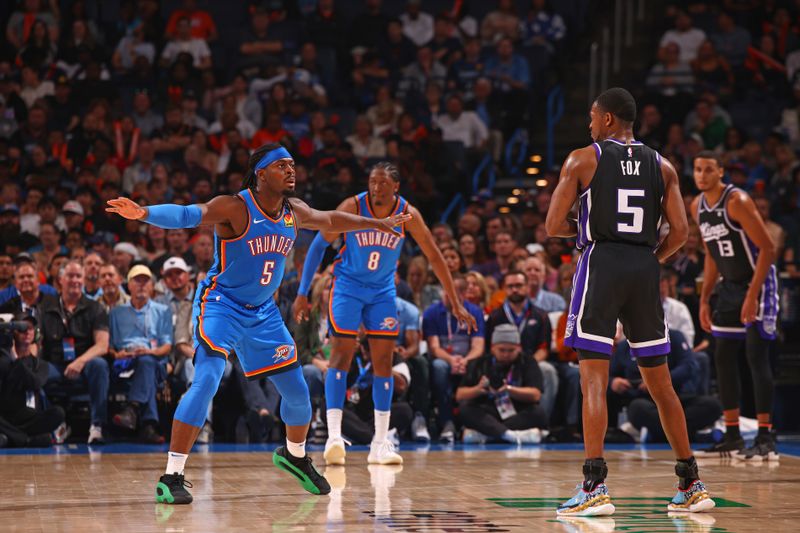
[(258, 221)]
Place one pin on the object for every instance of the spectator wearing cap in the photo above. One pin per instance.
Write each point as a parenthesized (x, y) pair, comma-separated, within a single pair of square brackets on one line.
[(499, 397), (11, 234), (23, 374), (179, 297), (141, 337), (63, 108), (111, 285), (74, 341), (124, 256), (26, 292), (74, 217)]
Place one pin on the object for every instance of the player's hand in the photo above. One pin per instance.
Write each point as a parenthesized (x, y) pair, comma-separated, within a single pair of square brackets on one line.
[(389, 223), (705, 317), (465, 318), (620, 385), (749, 309), (301, 308), (126, 208)]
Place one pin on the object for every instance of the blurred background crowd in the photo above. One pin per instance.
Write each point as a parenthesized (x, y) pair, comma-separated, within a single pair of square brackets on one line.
[(163, 101)]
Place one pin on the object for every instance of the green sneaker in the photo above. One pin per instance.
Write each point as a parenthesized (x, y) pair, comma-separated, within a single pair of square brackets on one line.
[(302, 469), (171, 489)]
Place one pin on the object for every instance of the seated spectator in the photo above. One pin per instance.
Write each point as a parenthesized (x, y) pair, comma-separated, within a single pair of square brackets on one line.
[(709, 126), (445, 47), (312, 341), (407, 349), (451, 347), (74, 341), (688, 38), (627, 388), (477, 291), (462, 126), (259, 47), (21, 21), (200, 21), (508, 70), (38, 52), (536, 272), (125, 254), (731, 40), (33, 87), (504, 244), (417, 25), (183, 42), (542, 27), (141, 337), (26, 292), (91, 286), (499, 396), (421, 72), (111, 285), (131, 47), (501, 23), (23, 374), (417, 277), (179, 296), (358, 415), (670, 76), (712, 72), (465, 71), (365, 144)]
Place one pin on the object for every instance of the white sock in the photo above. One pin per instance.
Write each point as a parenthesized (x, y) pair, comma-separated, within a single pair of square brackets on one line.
[(381, 425), (296, 449), (176, 462), (334, 423)]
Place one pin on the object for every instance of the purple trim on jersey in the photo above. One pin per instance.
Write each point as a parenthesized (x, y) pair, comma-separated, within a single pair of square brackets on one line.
[(633, 141), (658, 160), (583, 222), (578, 343), (728, 335), (597, 150), (651, 351), (763, 333)]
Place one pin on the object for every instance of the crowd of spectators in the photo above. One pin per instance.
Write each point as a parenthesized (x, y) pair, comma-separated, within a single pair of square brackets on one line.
[(164, 106)]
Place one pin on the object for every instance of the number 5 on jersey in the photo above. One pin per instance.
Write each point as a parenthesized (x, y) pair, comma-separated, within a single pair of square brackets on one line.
[(374, 259), (267, 274)]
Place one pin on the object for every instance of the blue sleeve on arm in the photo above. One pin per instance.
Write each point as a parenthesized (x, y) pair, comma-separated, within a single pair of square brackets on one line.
[(171, 216), (313, 258)]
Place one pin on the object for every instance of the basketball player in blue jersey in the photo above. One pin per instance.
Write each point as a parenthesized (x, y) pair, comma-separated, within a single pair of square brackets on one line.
[(363, 292), (740, 251), (234, 307), (623, 188)]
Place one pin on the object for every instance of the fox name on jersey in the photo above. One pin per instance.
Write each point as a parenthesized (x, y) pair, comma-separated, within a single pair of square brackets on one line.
[(267, 244), (378, 238)]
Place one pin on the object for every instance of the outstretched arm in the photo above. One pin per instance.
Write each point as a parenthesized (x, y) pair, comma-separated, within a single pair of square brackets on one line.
[(172, 216), (742, 209), (340, 222), (558, 222), (675, 213), (420, 232)]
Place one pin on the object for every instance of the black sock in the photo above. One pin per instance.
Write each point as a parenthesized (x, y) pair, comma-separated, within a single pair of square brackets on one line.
[(732, 432), (686, 470), (764, 430), (594, 473)]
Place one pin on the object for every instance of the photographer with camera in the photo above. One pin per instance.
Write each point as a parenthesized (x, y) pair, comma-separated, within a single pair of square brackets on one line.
[(22, 375), (499, 397), (74, 341)]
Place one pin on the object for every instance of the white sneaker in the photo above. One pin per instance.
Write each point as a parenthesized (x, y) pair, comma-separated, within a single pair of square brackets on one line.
[(448, 434), (383, 453), (392, 436), (206, 435), (95, 435), (529, 436), (419, 428), (470, 436), (334, 451)]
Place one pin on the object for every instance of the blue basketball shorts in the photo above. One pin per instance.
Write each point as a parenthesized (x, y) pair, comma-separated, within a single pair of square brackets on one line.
[(353, 303), (257, 334)]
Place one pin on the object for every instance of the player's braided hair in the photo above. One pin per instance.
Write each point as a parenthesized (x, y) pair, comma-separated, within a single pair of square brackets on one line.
[(390, 168), (250, 179)]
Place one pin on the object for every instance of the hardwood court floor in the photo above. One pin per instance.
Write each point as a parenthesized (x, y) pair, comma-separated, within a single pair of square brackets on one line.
[(472, 489)]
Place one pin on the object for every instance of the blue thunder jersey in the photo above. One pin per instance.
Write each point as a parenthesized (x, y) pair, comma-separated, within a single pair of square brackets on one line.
[(249, 268), (370, 256)]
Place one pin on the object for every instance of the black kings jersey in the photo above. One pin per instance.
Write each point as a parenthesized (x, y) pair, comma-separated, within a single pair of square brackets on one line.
[(734, 254), (623, 201)]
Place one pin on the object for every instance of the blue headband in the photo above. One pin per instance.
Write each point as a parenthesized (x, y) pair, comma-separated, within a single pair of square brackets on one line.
[(272, 156)]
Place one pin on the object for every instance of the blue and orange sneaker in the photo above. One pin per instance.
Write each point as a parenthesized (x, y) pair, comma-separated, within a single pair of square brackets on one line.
[(594, 503), (695, 499)]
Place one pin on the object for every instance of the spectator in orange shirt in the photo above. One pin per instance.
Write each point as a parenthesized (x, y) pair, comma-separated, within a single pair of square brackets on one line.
[(202, 24)]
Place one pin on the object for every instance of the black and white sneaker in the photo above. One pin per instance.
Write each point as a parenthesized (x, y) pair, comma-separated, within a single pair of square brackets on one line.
[(723, 449), (171, 489), (763, 449)]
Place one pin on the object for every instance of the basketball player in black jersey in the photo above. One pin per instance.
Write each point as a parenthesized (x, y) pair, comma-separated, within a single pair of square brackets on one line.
[(623, 189), (740, 251)]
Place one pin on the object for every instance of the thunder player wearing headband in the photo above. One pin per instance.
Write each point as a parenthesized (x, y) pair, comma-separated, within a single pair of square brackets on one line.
[(363, 292), (234, 307), (741, 252), (623, 188)]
